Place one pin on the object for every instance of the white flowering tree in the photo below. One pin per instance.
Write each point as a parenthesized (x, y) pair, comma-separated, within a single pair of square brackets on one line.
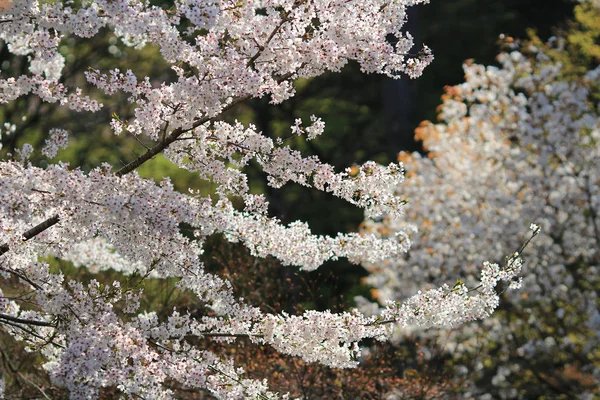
[(515, 143), (94, 336)]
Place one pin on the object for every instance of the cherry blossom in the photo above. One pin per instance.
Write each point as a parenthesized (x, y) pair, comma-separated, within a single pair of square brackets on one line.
[(95, 335), (515, 144)]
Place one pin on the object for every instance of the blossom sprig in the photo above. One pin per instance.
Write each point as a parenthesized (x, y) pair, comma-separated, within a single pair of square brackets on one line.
[(218, 150), (58, 140), (260, 47), (311, 132), (58, 190), (450, 306)]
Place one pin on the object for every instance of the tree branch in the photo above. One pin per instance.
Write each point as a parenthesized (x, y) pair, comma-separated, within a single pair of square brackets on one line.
[(36, 230), (159, 147), (26, 321)]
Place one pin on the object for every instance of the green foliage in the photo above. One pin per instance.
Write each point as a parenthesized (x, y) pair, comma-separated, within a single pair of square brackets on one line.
[(581, 40), (584, 34)]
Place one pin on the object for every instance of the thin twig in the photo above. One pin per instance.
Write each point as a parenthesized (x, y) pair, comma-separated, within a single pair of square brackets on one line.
[(29, 332), (29, 381)]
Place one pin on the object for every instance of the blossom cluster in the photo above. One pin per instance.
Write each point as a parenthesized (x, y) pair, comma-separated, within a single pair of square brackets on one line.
[(515, 143)]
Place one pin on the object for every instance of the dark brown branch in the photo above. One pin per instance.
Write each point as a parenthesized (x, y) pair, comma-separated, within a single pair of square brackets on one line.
[(26, 321), (159, 147), (22, 277), (261, 48), (36, 230), (32, 333)]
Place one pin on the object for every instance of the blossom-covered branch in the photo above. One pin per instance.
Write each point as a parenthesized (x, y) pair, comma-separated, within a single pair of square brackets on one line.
[(95, 335)]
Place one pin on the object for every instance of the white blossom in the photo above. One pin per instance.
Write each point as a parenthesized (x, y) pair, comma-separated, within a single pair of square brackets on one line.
[(514, 144)]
